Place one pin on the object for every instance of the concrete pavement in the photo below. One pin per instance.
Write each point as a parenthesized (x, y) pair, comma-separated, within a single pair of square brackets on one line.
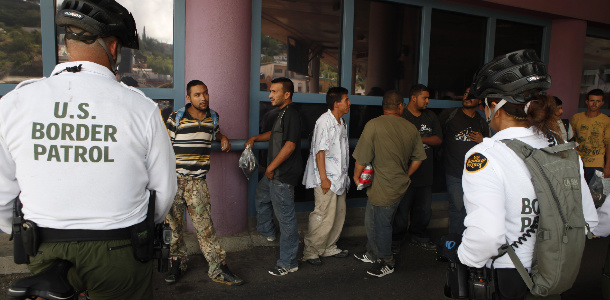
[(354, 227), (417, 275)]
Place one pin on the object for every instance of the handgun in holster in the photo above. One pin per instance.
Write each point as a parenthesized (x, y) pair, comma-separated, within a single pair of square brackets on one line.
[(150, 241), (25, 235), (163, 239)]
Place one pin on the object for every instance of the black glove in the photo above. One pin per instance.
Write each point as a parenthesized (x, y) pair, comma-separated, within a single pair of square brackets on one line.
[(449, 245)]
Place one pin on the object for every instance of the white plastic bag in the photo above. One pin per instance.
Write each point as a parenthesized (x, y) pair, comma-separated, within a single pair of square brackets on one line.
[(247, 162), (600, 188)]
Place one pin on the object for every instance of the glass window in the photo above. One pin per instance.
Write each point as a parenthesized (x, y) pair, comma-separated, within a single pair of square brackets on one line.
[(386, 47), (457, 50), (153, 65), (513, 36), (166, 106), (360, 115), (596, 68), (300, 40), (20, 41)]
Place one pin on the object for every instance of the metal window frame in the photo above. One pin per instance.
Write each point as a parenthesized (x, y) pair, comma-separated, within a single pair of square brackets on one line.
[(602, 34), (347, 25)]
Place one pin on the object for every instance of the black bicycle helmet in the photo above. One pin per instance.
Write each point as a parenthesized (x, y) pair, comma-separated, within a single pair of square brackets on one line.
[(102, 18), (509, 76)]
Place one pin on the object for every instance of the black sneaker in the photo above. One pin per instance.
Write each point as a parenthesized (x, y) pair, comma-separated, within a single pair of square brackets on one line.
[(174, 272), (227, 277), (363, 257), (380, 269), (430, 246), (314, 261)]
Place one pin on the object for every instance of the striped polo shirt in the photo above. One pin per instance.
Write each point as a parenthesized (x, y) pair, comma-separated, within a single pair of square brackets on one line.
[(192, 143)]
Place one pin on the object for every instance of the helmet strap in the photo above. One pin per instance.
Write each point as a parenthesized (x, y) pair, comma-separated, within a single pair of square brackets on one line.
[(488, 109), (114, 65)]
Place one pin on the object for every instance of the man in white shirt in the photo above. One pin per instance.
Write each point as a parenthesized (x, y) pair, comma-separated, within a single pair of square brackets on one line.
[(326, 173)]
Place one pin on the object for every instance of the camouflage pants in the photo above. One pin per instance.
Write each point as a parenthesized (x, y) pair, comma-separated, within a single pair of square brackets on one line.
[(193, 194)]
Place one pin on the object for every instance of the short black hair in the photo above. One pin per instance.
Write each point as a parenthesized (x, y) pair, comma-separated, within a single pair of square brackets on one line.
[(287, 85), (191, 84), (595, 92), (418, 89), (333, 95), (391, 100)]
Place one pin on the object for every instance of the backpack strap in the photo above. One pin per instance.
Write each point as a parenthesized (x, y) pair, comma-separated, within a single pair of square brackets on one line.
[(179, 115), (519, 266), (451, 116), (214, 116), (560, 148)]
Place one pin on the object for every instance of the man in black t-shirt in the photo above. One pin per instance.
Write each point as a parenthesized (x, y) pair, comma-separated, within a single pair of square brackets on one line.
[(463, 128), (417, 201), (275, 191)]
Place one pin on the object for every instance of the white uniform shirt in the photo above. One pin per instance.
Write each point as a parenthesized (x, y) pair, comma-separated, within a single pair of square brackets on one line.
[(603, 213), (498, 197), (331, 137), (83, 150)]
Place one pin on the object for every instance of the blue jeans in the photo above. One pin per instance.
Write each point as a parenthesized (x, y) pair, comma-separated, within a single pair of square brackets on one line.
[(275, 196), (457, 212), (378, 224), (416, 204)]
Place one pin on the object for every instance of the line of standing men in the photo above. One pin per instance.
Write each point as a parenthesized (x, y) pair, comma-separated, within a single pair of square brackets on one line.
[(392, 144)]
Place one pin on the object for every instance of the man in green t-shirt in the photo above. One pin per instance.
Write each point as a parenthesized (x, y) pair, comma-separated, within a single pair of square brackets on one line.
[(592, 132), (393, 146)]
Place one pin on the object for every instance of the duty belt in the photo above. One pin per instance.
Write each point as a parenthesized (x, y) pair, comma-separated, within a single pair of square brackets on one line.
[(82, 235)]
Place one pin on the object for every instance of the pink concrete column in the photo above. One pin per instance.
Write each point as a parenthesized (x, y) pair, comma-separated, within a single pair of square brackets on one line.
[(218, 34), (565, 62)]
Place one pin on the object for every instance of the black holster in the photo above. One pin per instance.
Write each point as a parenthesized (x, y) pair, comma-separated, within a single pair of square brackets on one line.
[(481, 284), (25, 236), (469, 283), (456, 286), (143, 234), (163, 238)]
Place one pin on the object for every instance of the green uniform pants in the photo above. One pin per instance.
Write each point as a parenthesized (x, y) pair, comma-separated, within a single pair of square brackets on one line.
[(105, 273)]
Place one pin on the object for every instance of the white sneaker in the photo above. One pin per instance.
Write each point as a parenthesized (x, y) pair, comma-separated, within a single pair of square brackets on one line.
[(363, 257), (270, 238), (279, 271)]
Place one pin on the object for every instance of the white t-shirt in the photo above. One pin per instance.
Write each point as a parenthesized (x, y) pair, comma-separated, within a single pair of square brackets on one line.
[(331, 137), (82, 151), (565, 134), (498, 197)]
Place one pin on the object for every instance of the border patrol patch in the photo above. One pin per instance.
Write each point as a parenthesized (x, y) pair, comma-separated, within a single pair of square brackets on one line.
[(475, 163)]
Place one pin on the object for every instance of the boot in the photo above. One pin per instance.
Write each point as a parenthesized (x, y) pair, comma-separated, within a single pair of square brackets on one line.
[(227, 277), (174, 273)]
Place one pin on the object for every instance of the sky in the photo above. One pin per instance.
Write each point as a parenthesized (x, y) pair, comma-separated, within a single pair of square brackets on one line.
[(156, 15)]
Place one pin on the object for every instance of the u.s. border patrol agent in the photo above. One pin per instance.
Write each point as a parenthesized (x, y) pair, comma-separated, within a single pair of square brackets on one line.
[(83, 152), (499, 196), (502, 201)]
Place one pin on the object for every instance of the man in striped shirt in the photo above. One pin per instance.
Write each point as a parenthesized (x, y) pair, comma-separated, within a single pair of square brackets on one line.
[(191, 130)]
